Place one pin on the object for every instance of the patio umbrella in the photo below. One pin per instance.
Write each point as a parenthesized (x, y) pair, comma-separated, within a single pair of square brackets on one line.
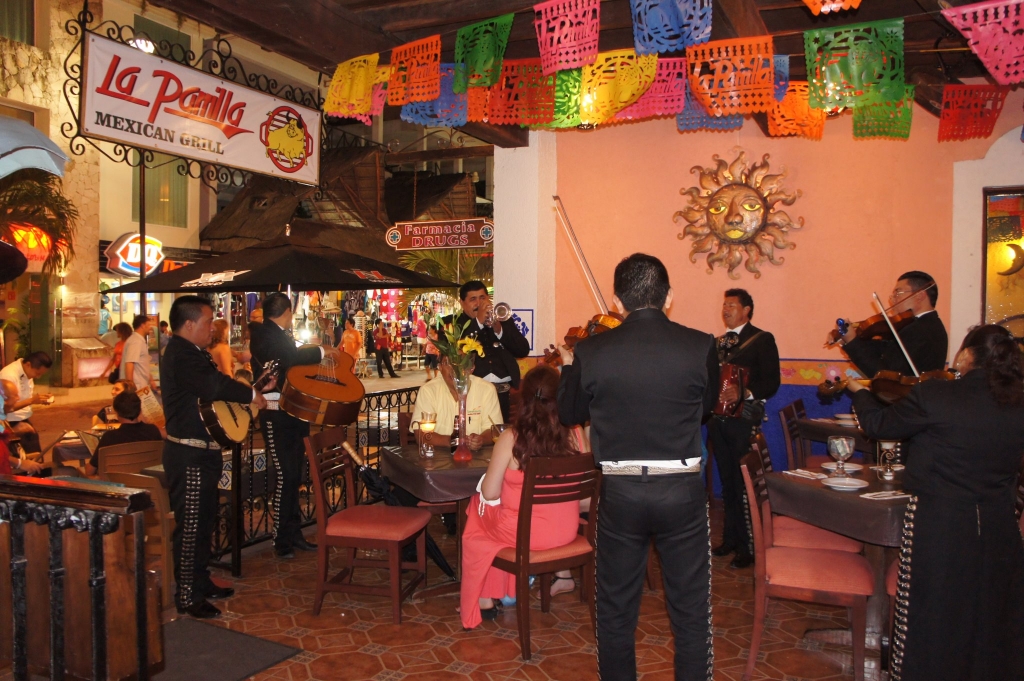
[(12, 262), (23, 146), (276, 264)]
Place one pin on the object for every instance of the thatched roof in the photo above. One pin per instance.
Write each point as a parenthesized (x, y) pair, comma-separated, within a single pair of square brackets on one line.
[(423, 196), (355, 182)]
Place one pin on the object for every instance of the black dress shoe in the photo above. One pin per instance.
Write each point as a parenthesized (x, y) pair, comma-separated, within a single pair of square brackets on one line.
[(284, 553), (723, 550), (203, 610), (216, 592), (302, 545), (742, 560)]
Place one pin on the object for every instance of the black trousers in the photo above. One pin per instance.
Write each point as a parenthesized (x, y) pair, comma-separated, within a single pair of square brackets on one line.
[(503, 403), (192, 476), (731, 440), (384, 361), (673, 510), (283, 435)]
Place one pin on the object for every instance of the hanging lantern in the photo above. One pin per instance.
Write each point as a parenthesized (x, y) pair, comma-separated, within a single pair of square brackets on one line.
[(34, 243)]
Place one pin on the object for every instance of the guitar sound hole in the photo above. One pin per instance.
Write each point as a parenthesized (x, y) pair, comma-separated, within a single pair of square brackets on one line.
[(325, 379)]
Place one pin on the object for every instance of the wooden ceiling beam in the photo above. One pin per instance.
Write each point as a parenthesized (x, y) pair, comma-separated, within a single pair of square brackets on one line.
[(736, 19), (504, 136), (426, 16), (452, 153)]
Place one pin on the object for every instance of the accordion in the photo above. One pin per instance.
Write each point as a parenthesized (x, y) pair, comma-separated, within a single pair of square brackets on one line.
[(731, 375)]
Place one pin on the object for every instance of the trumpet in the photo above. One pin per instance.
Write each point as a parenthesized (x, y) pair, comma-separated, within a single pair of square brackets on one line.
[(498, 312)]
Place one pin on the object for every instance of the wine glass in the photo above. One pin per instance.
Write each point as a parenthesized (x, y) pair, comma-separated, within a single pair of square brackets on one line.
[(887, 453), (840, 448), (497, 429), (428, 422)]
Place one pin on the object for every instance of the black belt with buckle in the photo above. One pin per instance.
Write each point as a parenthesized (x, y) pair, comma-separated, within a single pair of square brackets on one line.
[(502, 387)]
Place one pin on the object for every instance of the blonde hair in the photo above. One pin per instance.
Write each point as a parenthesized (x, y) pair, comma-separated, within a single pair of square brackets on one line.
[(220, 332)]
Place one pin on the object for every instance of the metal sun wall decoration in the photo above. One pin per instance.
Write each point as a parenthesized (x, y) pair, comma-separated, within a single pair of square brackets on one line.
[(735, 213)]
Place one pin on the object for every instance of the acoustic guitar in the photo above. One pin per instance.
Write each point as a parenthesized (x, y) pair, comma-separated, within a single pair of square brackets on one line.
[(228, 422), (325, 394)]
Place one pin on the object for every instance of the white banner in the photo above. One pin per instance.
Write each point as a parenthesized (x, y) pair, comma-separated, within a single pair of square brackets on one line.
[(145, 101)]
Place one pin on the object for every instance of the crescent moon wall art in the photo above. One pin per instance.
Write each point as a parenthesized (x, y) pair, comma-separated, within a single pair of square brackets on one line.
[(1018, 260)]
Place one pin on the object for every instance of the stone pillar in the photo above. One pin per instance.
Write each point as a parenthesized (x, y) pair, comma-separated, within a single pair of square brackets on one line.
[(525, 227)]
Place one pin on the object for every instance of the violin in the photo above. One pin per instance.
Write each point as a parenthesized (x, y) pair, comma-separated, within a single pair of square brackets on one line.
[(871, 328), (888, 386), (599, 323)]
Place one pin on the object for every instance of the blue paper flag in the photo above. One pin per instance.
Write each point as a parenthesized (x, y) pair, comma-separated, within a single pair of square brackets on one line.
[(695, 117), (450, 110), (670, 25), (781, 76)]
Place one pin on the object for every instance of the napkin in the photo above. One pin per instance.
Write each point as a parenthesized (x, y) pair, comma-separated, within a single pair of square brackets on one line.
[(810, 475), (888, 494)]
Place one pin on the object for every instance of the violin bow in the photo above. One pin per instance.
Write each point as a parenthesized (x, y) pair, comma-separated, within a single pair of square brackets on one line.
[(591, 281), (896, 335)]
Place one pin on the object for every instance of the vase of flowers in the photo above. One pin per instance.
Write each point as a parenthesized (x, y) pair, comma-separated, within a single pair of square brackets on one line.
[(461, 354)]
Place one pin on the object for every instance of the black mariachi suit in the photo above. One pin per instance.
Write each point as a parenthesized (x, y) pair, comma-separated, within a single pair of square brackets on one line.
[(282, 432), (730, 437), (926, 342), (499, 355), (960, 607), (188, 375), (645, 387)]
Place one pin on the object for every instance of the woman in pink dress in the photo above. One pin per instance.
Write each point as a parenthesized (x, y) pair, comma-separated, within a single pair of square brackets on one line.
[(492, 518)]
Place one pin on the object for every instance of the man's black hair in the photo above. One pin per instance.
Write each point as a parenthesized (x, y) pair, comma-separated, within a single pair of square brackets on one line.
[(39, 359), (127, 405), (469, 287), (641, 281), (744, 298), (919, 280), (275, 305), (187, 309), (139, 320)]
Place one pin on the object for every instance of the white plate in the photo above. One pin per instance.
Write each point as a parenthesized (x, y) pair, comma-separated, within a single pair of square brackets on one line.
[(895, 467), (845, 484), (831, 466), (844, 417)]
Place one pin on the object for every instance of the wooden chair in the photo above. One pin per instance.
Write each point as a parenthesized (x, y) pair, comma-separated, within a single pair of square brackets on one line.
[(798, 451), (361, 526), (131, 457), (159, 526), (551, 480), (1018, 506), (808, 575), (785, 531)]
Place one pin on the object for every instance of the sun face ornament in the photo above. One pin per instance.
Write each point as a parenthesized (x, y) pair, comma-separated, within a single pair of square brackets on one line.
[(735, 213)]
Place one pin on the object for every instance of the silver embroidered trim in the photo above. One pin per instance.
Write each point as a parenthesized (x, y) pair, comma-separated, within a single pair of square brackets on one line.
[(279, 486), (711, 635), (899, 638), (189, 532)]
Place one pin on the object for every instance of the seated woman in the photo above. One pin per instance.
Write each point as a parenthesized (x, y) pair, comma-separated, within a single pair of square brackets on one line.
[(10, 464), (960, 612), (219, 349), (536, 432), (106, 414)]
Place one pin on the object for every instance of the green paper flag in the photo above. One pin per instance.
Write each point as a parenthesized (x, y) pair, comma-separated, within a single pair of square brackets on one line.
[(568, 91), (855, 65), (479, 51), (886, 119)]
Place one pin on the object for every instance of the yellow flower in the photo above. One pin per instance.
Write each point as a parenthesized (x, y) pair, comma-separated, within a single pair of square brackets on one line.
[(468, 345)]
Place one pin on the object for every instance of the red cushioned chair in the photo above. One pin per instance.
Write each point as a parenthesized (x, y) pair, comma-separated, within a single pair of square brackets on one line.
[(783, 530), (370, 526), (798, 451), (808, 575), (552, 480)]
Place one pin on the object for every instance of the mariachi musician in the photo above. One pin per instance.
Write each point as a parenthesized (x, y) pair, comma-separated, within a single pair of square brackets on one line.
[(743, 345), (502, 343), (282, 432), (924, 336)]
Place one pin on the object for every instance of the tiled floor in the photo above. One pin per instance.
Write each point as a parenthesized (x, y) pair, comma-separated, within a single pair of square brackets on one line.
[(353, 637)]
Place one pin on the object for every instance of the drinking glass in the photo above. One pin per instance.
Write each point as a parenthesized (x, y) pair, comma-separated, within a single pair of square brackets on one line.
[(428, 422), (497, 429), (840, 448)]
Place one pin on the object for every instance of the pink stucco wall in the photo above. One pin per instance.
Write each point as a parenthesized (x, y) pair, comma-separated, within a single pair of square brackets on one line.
[(872, 209)]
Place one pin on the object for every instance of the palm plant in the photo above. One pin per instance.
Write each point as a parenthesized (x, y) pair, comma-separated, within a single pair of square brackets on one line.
[(454, 265), (33, 197)]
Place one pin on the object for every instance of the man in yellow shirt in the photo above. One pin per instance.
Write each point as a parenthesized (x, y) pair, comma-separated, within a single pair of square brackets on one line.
[(439, 397)]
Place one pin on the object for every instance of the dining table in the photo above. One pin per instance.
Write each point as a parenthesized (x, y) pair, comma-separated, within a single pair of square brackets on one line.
[(821, 429), (878, 522), (437, 479)]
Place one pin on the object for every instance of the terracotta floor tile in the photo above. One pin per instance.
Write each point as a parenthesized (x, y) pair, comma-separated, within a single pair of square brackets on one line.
[(354, 639)]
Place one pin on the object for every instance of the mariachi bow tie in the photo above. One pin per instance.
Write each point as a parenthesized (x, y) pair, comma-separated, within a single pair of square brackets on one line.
[(728, 341)]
